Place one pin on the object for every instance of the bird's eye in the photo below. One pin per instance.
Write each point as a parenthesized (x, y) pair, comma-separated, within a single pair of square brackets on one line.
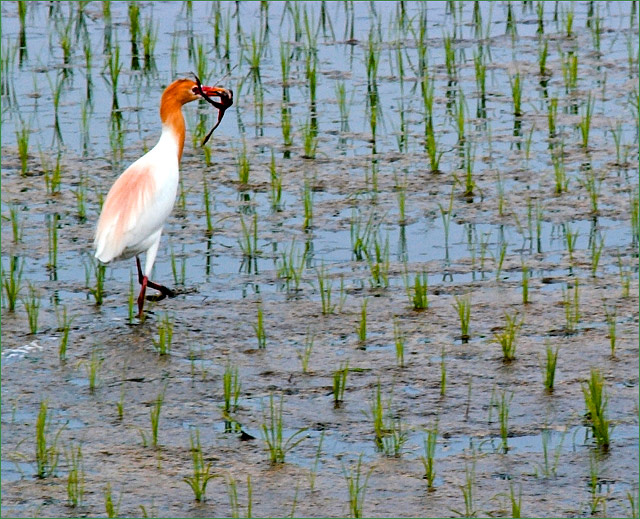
[(195, 90)]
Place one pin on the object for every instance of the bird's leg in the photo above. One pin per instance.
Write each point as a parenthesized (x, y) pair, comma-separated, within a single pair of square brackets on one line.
[(140, 275), (164, 291), (143, 289)]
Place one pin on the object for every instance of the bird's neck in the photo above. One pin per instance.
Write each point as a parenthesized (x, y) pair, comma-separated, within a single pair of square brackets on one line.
[(173, 122)]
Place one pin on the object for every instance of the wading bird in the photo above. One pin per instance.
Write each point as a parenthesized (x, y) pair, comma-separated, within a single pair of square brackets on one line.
[(141, 199)]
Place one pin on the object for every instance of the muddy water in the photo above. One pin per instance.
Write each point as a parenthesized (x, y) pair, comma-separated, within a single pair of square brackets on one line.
[(355, 180)]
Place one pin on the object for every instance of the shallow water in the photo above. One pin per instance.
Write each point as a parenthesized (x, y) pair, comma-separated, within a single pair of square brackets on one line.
[(475, 245)]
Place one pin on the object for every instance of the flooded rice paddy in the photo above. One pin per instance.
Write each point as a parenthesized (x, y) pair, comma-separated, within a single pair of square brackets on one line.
[(411, 212)]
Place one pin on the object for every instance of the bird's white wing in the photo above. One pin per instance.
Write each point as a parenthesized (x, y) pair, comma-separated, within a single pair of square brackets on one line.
[(135, 208)]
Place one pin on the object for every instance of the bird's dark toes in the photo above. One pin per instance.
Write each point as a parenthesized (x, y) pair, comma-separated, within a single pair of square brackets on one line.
[(156, 297)]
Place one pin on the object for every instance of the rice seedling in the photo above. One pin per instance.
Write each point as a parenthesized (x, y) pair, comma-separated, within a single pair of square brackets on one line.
[(340, 383), (111, 508), (290, 267), (114, 67), (570, 239), (99, 271), (305, 353), (552, 116), (52, 235), (512, 24), (75, 476), (625, 278), (271, 430), (401, 197), (52, 174), (120, 403), (525, 284), (149, 40), (92, 367), (248, 241), (610, 315), (309, 140), (316, 460), (503, 415), (12, 282), (344, 106), (543, 53), (585, 121), (480, 67), (378, 263), (633, 504), (361, 329), (459, 115), (307, 203), (201, 471), (361, 237), (635, 218), (617, 140), (596, 252), (325, 287), (468, 491), (549, 367), (596, 401), (16, 225), (443, 373), (32, 307), (428, 460), (243, 166), (357, 483), (207, 206), (560, 174), (285, 122), (431, 144), (80, 194), (516, 93), (64, 326), (596, 498), (592, 183), (22, 137), (419, 296), (450, 56), (131, 301), (570, 71), (463, 307), (395, 438), (399, 339), (507, 338), (154, 415), (372, 61), (550, 460), (571, 304), (516, 503), (258, 328), (179, 274), (47, 453), (469, 160), (380, 426), (231, 387), (500, 260), (162, 344), (275, 185), (232, 492)]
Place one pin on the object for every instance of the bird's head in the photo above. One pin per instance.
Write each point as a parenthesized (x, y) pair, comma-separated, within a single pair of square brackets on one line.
[(186, 90)]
